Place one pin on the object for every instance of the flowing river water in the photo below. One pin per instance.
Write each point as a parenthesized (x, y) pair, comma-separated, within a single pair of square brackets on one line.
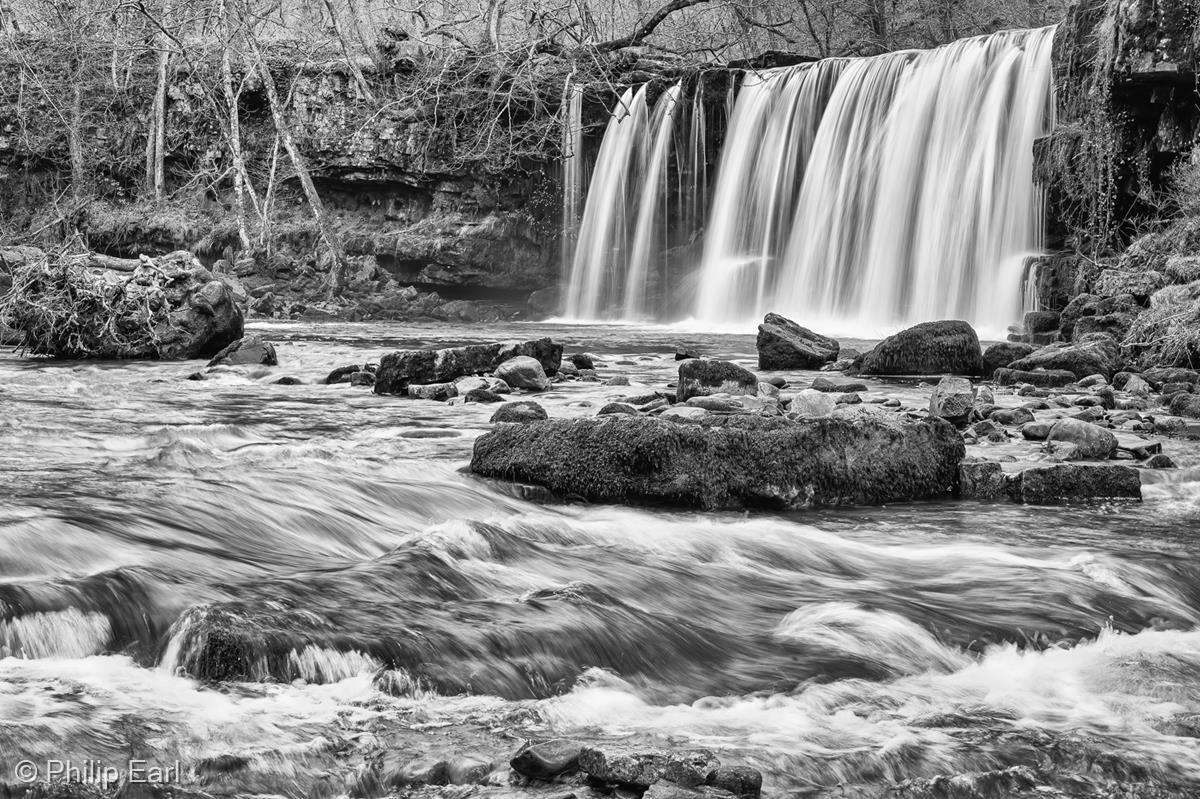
[(839, 651)]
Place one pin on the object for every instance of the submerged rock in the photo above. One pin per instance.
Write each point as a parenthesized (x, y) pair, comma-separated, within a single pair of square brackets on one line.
[(252, 350), (930, 348), (700, 377), (783, 344), (398, 369), (729, 461)]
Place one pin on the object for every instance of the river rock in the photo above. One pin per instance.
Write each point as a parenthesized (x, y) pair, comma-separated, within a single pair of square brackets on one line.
[(1093, 442), (953, 399), (1002, 354), (981, 480), (1036, 431), (398, 369), (523, 372), (666, 789), (1042, 322), (362, 379), (546, 760), (617, 408), (520, 412), (930, 348), (811, 403), (248, 350), (741, 781), (439, 392), (690, 769), (701, 376), (837, 386), (1011, 416), (1074, 481), (1095, 353), (1048, 378), (1188, 405), (729, 461), (581, 360), (632, 769), (783, 344), (465, 385), (483, 395), (1161, 375), (342, 373), (716, 404), (1137, 386)]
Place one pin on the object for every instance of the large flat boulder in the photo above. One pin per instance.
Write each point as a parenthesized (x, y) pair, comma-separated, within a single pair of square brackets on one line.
[(930, 348), (400, 368), (729, 462), (783, 344)]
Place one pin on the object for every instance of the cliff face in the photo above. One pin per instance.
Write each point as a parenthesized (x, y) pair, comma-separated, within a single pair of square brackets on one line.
[(1125, 73)]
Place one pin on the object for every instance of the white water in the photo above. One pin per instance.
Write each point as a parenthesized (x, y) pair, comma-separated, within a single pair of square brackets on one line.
[(572, 177), (618, 267), (853, 193)]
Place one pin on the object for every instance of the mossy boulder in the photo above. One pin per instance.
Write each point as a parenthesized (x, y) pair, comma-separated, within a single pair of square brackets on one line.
[(930, 348), (729, 462)]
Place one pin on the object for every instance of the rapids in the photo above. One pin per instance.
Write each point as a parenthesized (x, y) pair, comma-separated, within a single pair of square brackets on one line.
[(839, 651)]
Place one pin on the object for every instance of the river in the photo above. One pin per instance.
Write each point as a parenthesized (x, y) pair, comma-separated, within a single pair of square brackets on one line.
[(839, 651)]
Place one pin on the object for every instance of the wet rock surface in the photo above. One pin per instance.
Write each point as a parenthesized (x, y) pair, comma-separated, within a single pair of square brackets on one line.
[(398, 369), (783, 344), (930, 348), (728, 462)]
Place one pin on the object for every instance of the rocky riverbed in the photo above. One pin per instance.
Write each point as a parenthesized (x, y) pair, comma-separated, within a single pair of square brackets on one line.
[(294, 586)]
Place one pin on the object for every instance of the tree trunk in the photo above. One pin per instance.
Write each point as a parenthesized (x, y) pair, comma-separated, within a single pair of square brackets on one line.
[(328, 234), (359, 78), (235, 125), (75, 143)]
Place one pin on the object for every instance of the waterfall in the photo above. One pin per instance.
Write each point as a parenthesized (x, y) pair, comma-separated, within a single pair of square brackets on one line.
[(617, 265), (572, 164), (864, 193), (913, 200)]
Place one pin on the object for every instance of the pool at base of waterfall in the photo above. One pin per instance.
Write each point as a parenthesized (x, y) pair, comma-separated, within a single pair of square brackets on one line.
[(299, 590)]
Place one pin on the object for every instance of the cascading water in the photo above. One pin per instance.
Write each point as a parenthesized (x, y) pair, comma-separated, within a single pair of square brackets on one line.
[(627, 220), (865, 192), (572, 177), (916, 199)]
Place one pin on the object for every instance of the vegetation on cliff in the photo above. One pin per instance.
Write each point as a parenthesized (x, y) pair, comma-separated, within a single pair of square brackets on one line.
[(238, 128)]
